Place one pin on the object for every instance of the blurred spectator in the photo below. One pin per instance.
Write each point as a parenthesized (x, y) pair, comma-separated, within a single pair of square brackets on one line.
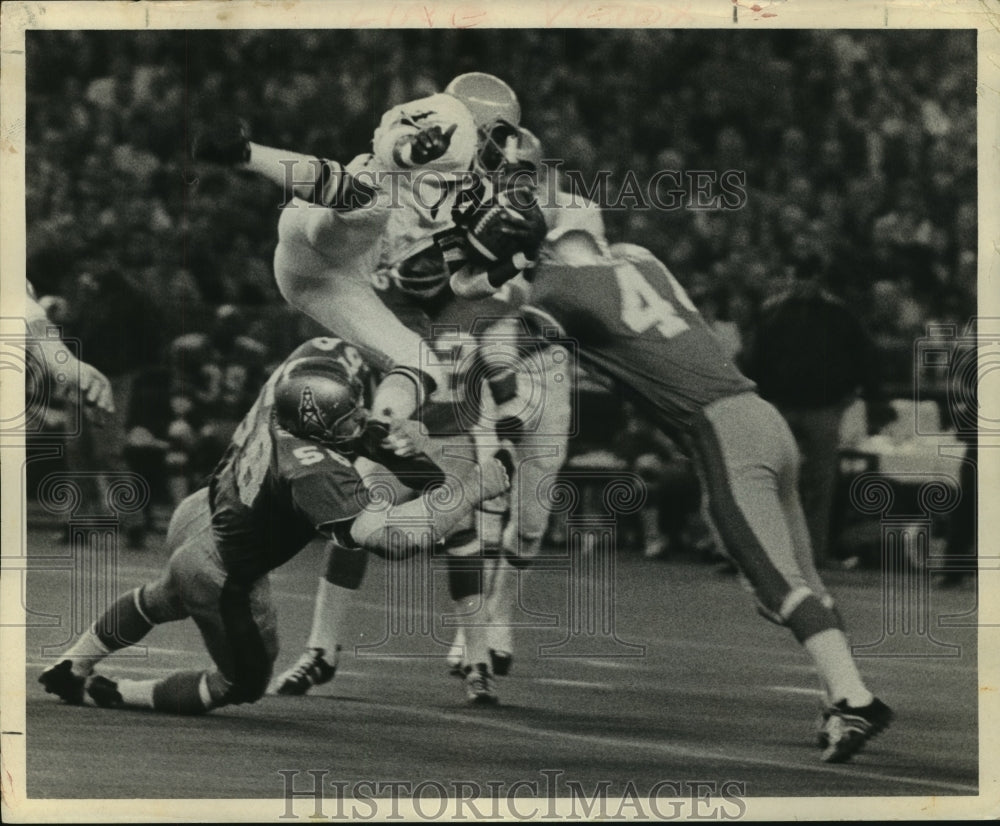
[(147, 444), (859, 153), (118, 330), (809, 355), (68, 381), (851, 129), (715, 305), (215, 378), (668, 521)]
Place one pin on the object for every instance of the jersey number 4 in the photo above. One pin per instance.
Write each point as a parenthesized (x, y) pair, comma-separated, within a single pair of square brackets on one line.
[(643, 308)]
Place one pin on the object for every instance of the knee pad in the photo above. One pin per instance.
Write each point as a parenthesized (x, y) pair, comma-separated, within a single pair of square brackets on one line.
[(803, 613), (248, 688), (191, 692), (159, 601), (503, 385)]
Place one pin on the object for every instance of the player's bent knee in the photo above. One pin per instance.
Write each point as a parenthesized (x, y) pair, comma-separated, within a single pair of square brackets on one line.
[(811, 617), (160, 602), (802, 612), (250, 683)]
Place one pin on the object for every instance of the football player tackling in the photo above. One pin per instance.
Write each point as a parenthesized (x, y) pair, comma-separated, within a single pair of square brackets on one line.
[(635, 323), (288, 476)]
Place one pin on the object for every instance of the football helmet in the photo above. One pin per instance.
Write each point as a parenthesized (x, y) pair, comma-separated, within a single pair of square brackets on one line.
[(488, 98), (495, 110), (315, 399)]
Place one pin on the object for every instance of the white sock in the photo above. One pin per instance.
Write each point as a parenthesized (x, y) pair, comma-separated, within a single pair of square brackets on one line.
[(329, 615), (501, 601), (86, 652), (456, 654), (477, 648), (137, 692), (838, 671)]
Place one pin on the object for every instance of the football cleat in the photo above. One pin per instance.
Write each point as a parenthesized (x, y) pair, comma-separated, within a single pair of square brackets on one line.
[(60, 680), (479, 690), (846, 729), (104, 692), (311, 669)]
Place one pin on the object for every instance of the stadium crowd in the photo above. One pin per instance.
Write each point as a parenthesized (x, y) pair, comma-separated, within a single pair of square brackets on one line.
[(858, 150)]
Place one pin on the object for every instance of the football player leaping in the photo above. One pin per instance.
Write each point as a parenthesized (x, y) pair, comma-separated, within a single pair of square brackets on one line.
[(344, 223), (288, 475)]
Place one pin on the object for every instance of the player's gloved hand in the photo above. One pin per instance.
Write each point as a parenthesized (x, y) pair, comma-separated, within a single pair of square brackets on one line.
[(456, 458), (505, 233), (427, 145), (225, 141)]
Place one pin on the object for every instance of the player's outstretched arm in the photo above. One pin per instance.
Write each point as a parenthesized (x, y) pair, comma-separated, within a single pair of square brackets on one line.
[(226, 141), (316, 180), (407, 527), (290, 170)]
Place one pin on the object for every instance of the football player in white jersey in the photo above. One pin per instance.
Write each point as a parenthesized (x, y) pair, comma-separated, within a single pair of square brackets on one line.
[(345, 225), (533, 416)]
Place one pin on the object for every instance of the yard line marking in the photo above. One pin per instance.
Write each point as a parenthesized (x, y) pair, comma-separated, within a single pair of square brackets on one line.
[(123, 668), (618, 662), (152, 649), (794, 689), (572, 683)]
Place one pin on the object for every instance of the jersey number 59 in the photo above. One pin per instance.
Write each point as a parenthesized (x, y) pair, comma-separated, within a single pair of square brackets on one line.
[(311, 454)]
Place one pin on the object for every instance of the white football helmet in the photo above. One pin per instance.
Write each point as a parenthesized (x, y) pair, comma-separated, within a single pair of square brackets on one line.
[(488, 98)]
